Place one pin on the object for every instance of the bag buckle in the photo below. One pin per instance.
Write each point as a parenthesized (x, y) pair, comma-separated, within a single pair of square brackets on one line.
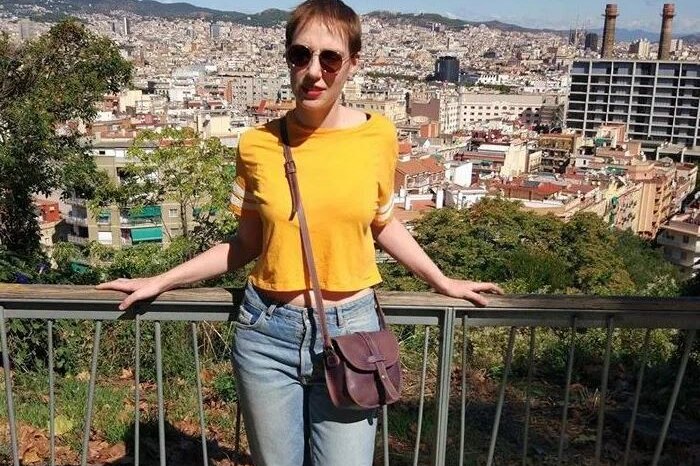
[(332, 359)]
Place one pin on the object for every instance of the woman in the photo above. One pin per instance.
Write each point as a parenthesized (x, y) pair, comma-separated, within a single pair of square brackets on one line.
[(345, 166)]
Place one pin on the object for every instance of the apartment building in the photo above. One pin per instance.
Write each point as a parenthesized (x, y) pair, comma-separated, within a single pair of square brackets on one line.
[(418, 175), (658, 100), (656, 200), (122, 227), (680, 239), (530, 110), (557, 150), (246, 89), (393, 109)]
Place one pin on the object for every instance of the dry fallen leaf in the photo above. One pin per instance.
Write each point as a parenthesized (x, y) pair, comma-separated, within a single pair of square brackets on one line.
[(30, 456), (63, 425), (115, 452), (83, 376)]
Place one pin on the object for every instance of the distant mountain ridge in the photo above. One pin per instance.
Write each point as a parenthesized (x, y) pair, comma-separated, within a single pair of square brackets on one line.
[(428, 19), (151, 8), (273, 16)]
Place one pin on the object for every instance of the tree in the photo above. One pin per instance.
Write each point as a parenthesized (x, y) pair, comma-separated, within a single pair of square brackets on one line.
[(529, 253), (45, 86), (177, 165)]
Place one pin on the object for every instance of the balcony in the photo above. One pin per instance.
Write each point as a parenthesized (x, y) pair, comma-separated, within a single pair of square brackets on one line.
[(80, 221), (691, 246), (77, 201), (450, 319), (81, 240)]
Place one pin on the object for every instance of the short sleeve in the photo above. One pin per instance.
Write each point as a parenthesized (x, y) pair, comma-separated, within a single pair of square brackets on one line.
[(242, 198), (387, 169)]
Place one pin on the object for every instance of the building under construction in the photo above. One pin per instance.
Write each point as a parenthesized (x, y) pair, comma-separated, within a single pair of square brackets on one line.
[(657, 99)]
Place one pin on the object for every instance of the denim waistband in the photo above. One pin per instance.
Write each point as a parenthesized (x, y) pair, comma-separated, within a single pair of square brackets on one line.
[(258, 298)]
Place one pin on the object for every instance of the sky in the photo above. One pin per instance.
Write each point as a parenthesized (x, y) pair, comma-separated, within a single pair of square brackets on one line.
[(556, 14)]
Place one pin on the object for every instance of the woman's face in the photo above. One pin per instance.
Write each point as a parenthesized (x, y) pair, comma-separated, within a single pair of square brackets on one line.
[(314, 88)]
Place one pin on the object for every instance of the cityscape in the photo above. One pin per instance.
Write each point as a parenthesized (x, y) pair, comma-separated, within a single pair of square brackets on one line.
[(563, 122), (559, 161)]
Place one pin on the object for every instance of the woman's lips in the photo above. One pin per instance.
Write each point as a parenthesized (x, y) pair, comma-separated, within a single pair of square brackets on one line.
[(312, 92)]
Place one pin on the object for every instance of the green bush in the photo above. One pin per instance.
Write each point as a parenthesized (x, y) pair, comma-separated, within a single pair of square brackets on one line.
[(225, 387)]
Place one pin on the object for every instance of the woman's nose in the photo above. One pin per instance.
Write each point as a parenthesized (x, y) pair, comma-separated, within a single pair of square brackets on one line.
[(314, 69)]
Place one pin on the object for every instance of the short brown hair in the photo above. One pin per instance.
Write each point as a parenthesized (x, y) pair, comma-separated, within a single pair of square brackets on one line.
[(334, 14)]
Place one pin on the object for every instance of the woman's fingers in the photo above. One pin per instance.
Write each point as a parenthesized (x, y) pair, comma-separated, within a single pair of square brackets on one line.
[(485, 287), (132, 286), (128, 301), (121, 284), (475, 298)]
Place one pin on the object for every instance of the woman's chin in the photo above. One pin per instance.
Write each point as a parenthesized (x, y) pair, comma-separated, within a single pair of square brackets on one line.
[(312, 104)]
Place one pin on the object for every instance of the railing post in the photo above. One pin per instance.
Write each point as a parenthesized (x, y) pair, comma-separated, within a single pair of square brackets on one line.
[(137, 390), (463, 401), (200, 401), (603, 393), (637, 394), (690, 338), (8, 387), (501, 396), (567, 390), (91, 393), (52, 399), (159, 390), (442, 402), (421, 402), (528, 392)]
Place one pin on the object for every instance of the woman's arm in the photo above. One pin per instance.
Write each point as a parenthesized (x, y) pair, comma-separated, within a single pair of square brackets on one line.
[(400, 244), (224, 257)]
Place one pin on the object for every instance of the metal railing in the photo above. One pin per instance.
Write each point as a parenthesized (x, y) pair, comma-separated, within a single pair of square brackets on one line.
[(73, 220), (75, 239), (574, 313)]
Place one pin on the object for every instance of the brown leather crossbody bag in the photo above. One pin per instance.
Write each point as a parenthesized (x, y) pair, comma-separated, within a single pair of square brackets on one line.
[(362, 369)]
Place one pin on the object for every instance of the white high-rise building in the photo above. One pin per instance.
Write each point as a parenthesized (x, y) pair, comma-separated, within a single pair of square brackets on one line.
[(641, 48)]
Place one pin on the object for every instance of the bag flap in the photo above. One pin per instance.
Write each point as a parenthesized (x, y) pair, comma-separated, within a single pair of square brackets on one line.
[(354, 349)]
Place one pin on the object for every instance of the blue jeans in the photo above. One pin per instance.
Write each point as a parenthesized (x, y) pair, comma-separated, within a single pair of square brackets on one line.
[(288, 415)]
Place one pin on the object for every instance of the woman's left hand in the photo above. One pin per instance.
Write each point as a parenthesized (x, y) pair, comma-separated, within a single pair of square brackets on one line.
[(468, 290)]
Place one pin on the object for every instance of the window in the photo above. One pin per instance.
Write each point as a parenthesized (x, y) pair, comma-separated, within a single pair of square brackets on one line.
[(686, 239), (684, 255), (104, 237), (173, 213)]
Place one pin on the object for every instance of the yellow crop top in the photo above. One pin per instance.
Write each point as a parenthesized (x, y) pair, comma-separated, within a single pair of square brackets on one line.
[(346, 180)]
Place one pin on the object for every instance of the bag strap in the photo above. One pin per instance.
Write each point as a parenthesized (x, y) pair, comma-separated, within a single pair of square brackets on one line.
[(298, 209), (378, 359)]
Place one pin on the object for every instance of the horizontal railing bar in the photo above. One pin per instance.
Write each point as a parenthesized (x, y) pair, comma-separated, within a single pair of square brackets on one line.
[(10, 293), (78, 302), (592, 319), (398, 316)]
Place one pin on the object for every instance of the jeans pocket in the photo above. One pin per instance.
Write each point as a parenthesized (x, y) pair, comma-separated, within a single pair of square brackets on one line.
[(249, 317), (365, 321)]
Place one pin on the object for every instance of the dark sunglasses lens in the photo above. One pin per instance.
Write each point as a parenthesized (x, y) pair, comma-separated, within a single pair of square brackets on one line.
[(330, 61), (298, 55)]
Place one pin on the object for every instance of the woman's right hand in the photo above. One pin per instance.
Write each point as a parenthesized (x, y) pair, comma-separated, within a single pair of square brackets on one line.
[(139, 289)]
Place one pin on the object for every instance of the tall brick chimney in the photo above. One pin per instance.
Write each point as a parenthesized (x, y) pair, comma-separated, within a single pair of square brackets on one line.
[(611, 15), (668, 13)]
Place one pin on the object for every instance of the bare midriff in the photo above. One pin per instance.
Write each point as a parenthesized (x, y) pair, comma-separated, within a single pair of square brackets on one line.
[(303, 298)]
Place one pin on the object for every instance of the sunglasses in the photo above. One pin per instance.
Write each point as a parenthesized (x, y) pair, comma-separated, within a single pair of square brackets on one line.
[(300, 56)]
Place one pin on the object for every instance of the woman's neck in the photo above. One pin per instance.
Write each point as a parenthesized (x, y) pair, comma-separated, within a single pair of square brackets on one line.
[(322, 119)]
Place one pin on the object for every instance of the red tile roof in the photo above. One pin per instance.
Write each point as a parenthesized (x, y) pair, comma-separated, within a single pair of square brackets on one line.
[(416, 166)]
